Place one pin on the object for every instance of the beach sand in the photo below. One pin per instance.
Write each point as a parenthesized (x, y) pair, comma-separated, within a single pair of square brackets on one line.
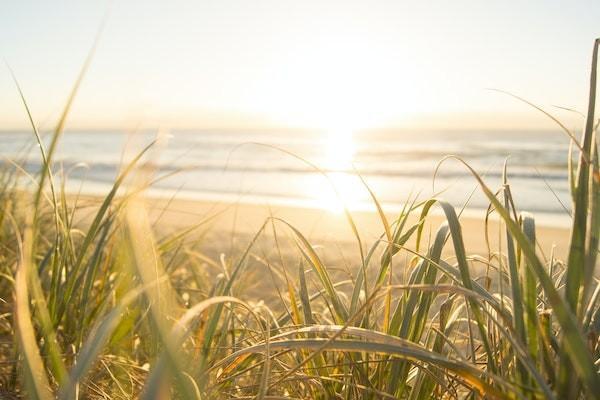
[(223, 231), (322, 227)]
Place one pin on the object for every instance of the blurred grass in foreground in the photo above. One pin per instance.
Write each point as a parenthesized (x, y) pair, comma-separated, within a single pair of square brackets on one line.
[(106, 309)]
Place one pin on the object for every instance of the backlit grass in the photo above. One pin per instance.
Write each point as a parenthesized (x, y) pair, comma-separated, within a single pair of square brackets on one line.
[(107, 307)]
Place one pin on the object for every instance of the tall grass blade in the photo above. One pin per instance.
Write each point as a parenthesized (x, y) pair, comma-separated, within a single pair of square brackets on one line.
[(36, 380)]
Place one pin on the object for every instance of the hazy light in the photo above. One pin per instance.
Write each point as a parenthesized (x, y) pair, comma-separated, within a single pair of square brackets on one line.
[(339, 85), (343, 187), (238, 64), (339, 149)]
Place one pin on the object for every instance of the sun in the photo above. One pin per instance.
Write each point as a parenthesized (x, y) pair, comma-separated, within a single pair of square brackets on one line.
[(338, 88), (347, 84)]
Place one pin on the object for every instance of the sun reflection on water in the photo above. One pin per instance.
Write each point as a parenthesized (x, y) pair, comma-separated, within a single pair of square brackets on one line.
[(338, 150)]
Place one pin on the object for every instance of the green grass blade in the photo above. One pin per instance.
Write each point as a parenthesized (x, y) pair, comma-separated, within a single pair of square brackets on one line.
[(575, 344)]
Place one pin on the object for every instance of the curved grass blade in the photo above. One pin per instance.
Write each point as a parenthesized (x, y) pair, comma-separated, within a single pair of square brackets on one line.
[(575, 344), (402, 350)]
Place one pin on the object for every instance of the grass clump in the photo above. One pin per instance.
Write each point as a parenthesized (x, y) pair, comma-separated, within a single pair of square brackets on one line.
[(105, 308)]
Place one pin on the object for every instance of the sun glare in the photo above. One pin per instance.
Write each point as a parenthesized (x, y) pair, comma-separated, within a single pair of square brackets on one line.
[(338, 150), (345, 192), (342, 188), (338, 85)]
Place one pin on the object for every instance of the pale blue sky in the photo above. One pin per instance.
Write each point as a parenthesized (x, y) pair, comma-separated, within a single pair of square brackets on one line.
[(245, 63)]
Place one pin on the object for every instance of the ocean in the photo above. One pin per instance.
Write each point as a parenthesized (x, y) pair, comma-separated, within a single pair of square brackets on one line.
[(299, 168)]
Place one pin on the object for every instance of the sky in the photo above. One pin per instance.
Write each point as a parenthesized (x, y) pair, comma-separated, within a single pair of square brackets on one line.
[(244, 64)]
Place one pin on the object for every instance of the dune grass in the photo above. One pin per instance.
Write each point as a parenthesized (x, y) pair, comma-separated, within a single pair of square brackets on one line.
[(96, 309)]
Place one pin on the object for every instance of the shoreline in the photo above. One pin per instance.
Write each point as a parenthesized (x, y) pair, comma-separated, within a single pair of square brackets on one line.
[(559, 220), (323, 227)]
